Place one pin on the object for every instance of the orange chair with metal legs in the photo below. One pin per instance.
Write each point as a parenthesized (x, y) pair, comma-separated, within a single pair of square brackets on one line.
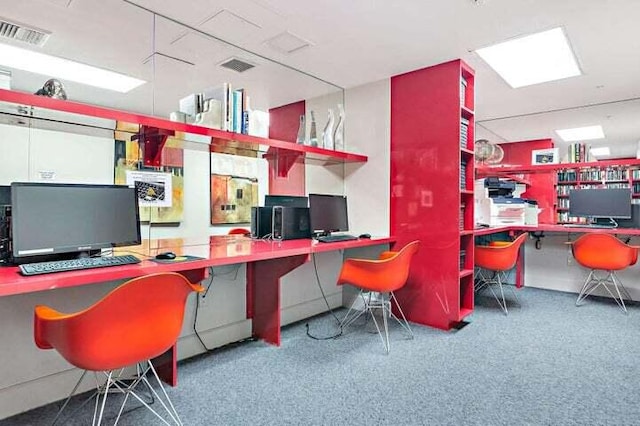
[(603, 252), (139, 320), (496, 259), (377, 280)]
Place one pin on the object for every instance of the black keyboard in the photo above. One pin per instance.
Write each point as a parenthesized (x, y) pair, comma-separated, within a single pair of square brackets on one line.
[(336, 238), (75, 264)]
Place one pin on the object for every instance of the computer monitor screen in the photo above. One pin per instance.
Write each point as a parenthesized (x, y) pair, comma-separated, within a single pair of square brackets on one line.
[(5, 195), (328, 213), (64, 218), (600, 202), (285, 201)]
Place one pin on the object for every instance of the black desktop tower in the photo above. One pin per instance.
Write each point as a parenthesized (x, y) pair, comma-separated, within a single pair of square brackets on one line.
[(5, 234), (261, 222), (291, 223)]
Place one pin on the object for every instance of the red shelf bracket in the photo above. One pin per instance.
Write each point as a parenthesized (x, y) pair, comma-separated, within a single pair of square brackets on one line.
[(281, 161), (153, 140)]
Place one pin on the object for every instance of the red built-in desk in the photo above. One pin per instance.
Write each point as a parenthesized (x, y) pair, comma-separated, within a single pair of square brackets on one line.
[(267, 262)]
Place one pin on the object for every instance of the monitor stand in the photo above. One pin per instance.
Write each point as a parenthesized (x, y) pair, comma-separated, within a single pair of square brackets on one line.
[(604, 222)]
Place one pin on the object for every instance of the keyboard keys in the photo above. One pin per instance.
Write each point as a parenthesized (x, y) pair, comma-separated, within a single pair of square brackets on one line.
[(76, 264)]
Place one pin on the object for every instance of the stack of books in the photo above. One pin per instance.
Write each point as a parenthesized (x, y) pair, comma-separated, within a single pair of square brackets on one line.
[(464, 132), (463, 174), (579, 153)]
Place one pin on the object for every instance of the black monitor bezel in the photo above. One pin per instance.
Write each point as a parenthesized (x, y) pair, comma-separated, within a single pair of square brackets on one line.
[(574, 212), (15, 220), (328, 231)]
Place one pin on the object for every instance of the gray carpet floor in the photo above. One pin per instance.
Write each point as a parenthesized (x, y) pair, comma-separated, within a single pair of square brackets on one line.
[(546, 363)]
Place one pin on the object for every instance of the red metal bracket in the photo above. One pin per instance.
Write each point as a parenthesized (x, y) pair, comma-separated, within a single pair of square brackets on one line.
[(282, 160), (153, 140)]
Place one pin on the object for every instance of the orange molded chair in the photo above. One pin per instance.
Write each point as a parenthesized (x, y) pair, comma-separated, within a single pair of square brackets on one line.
[(494, 261), (239, 231), (377, 280), (139, 320), (603, 252)]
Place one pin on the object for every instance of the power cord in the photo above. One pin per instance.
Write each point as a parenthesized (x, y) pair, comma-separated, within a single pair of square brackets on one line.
[(339, 333), (212, 274), (195, 314)]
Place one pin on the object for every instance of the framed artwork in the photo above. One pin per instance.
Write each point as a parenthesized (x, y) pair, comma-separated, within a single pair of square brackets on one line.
[(232, 198), (544, 156), (156, 206)]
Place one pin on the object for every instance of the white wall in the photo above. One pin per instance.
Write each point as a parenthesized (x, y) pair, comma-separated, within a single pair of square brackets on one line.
[(367, 131), (554, 268)]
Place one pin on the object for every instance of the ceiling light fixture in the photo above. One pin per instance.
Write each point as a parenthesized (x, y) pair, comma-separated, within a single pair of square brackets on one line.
[(532, 59), (51, 66), (601, 151), (581, 133)]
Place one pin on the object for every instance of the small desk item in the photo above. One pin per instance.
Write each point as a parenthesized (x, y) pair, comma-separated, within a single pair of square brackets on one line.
[(75, 264), (167, 255), (336, 238), (364, 236)]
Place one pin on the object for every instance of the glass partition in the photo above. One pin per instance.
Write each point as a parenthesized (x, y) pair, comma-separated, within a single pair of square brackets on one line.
[(186, 190)]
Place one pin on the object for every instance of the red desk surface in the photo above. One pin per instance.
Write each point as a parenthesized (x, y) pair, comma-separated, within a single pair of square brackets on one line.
[(215, 251), (555, 228)]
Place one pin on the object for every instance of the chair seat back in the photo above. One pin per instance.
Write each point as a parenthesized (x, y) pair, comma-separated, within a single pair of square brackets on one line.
[(603, 251), (389, 273), (138, 320), (500, 257)]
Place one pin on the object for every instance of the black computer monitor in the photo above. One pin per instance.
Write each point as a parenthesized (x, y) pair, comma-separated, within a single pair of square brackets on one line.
[(600, 203), (328, 213), (5, 195), (285, 201), (52, 219)]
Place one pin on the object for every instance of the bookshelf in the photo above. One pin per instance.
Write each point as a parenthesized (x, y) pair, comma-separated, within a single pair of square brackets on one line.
[(13, 103), (432, 182), (593, 177)]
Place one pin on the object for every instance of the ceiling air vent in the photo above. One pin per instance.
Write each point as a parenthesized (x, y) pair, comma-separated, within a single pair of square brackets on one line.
[(19, 32), (236, 65)]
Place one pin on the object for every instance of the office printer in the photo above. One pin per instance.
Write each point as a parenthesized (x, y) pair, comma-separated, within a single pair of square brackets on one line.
[(496, 205)]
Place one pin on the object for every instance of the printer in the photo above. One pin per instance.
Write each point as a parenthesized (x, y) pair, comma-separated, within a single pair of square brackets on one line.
[(497, 203)]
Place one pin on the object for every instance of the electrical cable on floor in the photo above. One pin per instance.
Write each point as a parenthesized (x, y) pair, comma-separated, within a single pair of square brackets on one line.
[(339, 333), (204, 294), (195, 315)]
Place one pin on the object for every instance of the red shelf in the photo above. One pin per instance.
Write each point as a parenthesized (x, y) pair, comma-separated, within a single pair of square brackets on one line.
[(543, 168), (465, 312), (466, 273), (221, 141), (426, 114)]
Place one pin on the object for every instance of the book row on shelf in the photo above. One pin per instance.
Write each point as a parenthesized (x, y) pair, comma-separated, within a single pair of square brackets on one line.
[(579, 153), (464, 133), (592, 174), (222, 108), (565, 189)]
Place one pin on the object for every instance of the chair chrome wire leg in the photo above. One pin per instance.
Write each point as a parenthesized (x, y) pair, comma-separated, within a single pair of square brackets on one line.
[(593, 282), (383, 302), (404, 323), (66, 401)]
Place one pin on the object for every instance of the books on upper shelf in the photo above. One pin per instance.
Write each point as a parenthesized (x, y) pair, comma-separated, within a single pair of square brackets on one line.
[(221, 108), (579, 153)]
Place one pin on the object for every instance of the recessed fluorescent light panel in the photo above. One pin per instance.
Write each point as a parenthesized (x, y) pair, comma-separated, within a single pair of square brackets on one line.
[(51, 66), (532, 59), (581, 133)]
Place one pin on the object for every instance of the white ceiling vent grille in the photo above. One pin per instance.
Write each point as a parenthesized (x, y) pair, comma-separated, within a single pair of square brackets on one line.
[(19, 32), (236, 65)]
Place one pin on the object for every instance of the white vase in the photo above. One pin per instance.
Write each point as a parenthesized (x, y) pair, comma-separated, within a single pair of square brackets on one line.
[(327, 133), (338, 134), (301, 131), (313, 135)]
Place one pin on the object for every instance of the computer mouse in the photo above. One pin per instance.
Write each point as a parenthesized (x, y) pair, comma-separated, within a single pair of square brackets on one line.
[(364, 236), (167, 255)]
